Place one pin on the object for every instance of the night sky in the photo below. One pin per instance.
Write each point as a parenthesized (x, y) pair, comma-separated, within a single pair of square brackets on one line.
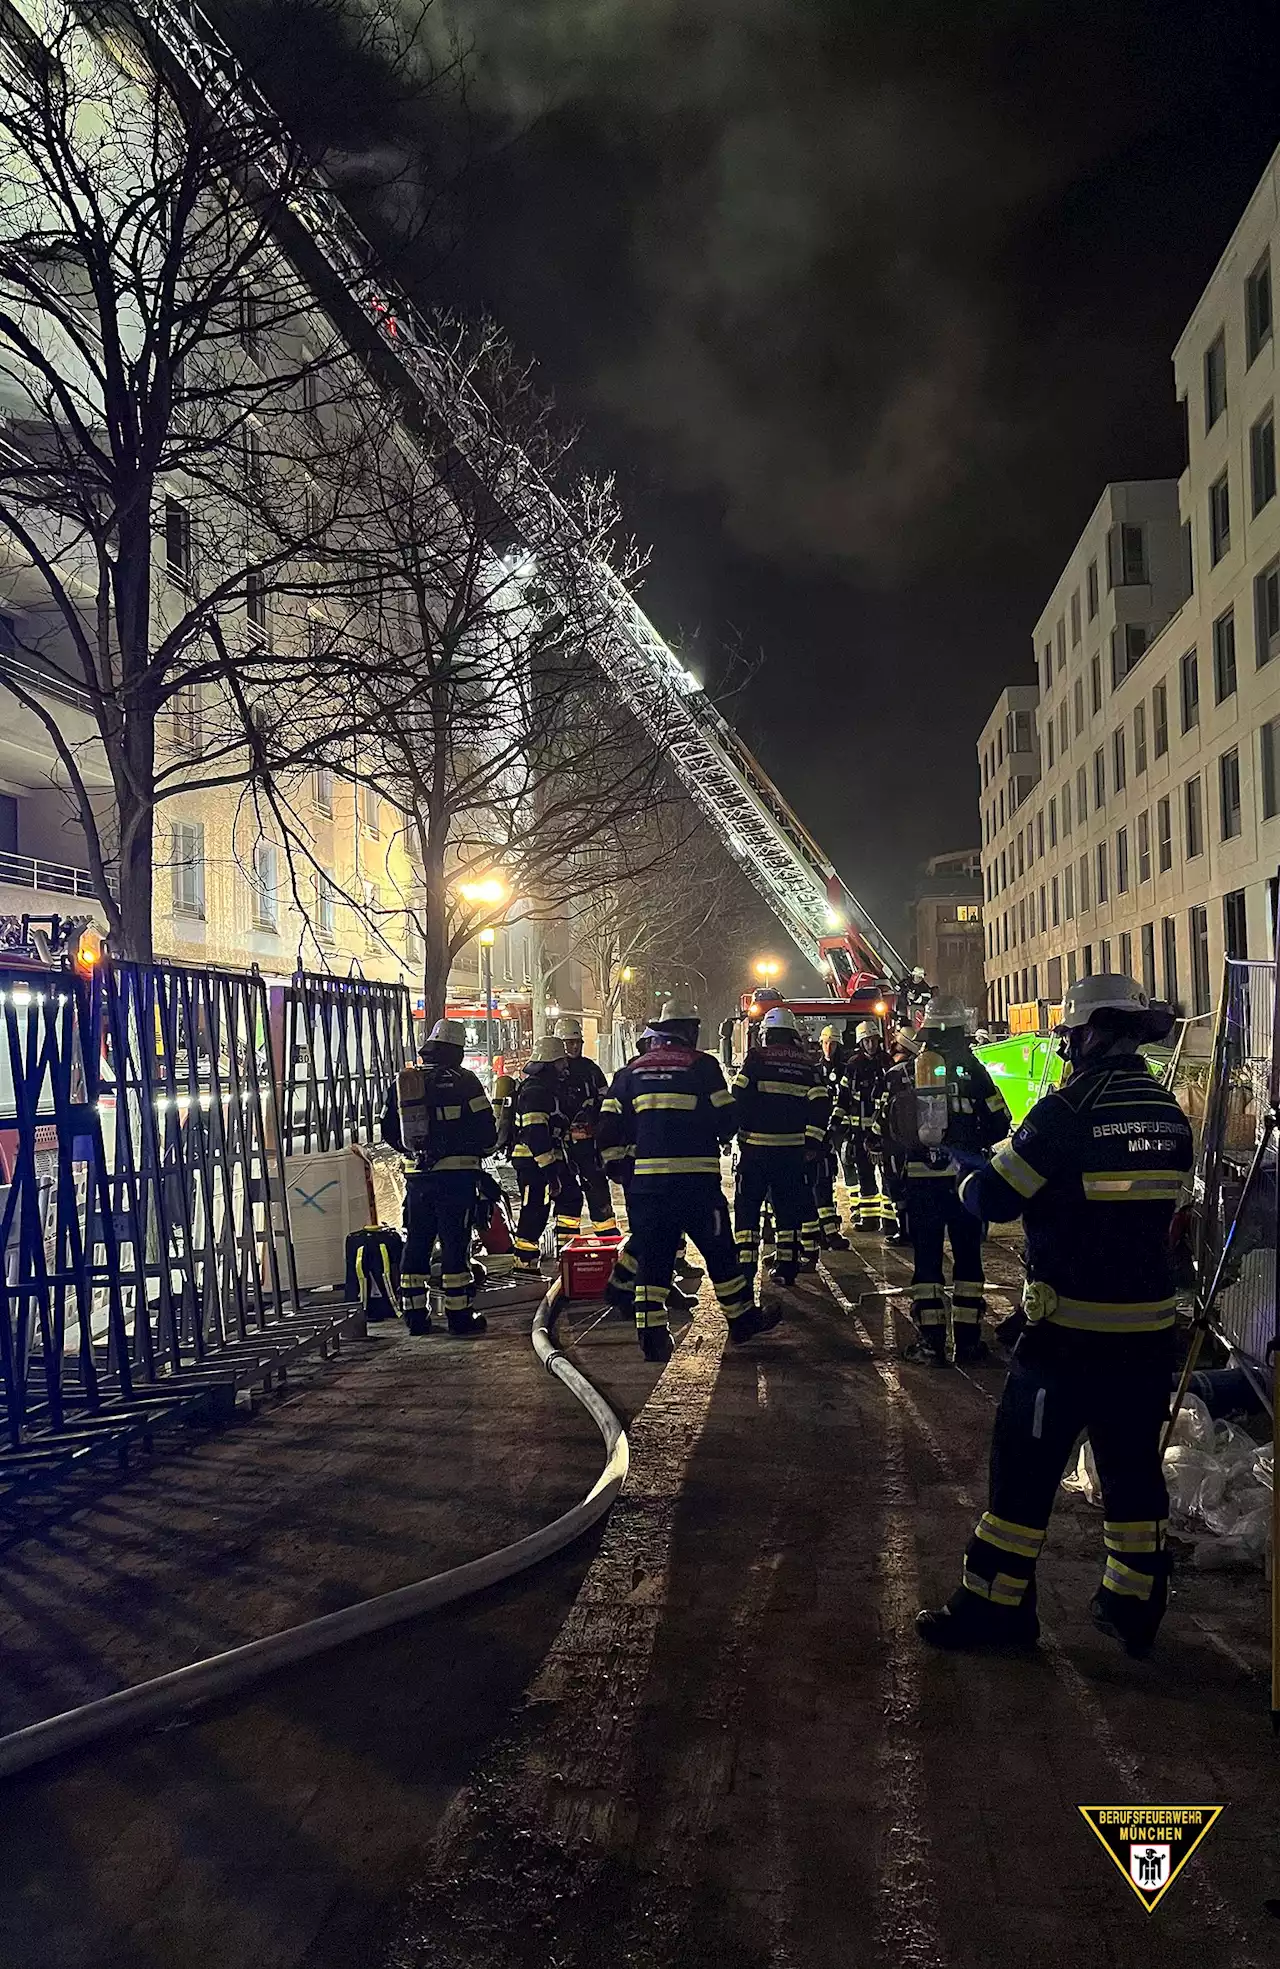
[(864, 303)]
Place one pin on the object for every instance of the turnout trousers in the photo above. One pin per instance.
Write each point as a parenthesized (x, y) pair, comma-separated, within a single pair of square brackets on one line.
[(535, 1205), (659, 1213), (438, 1208), (584, 1160), (823, 1176), (869, 1200), (1116, 1387), (935, 1213), (779, 1176)]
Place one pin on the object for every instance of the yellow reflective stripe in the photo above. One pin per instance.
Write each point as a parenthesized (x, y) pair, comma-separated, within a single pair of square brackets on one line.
[(478, 1103), (530, 1115), (997, 1104), (677, 1165), (789, 1089), (751, 1139), (647, 1103), (1133, 1535), (455, 1278), (452, 1113), (1005, 1590), (813, 1134), (740, 1080), (545, 1161), (619, 1154), (1132, 1186), (454, 1162), (918, 1169), (1024, 1540), (1119, 1578), (1017, 1171), (610, 1105), (722, 1098), (1118, 1316), (818, 1092)]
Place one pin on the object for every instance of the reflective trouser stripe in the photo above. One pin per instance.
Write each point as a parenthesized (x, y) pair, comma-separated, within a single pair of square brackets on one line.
[(651, 1305), (1126, 1580), (734, 1295), (967, 1302), (567, 1223), (1026, 1541), (524, 1248), (413, 1291), (1003, 1589), (1103, 1316), (458, 1287), (828, 1216), (810, 1237), (788, 1247), (1142, 1535), (607, 1226)]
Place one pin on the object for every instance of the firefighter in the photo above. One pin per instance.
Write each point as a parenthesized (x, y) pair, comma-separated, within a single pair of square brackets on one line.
[(861, 1086), (584, 1086), (976, 1118), (663, 1124), (899, 1079), (539, 1155), (827, 1162), (780, 1108), (913, 995), (439, 1115), (620, 1292), (1095, 1171)]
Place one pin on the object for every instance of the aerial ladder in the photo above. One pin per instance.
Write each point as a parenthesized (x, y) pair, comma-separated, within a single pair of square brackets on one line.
[(823, 918)]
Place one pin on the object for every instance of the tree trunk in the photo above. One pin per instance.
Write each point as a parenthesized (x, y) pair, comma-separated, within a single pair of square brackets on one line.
[(136, 820), (438, 957), (539, 995)]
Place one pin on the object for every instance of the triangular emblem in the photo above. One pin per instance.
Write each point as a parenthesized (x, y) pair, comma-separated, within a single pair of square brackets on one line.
[(1150, 1844)]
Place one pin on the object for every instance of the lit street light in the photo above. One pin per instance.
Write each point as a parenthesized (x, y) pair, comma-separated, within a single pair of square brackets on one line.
[(767, 968)]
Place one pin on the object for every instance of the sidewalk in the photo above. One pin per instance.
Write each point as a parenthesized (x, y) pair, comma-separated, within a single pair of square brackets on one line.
[(271, 1832)]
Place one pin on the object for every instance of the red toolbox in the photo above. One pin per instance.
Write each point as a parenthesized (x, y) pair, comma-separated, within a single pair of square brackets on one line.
[(585, 1265)]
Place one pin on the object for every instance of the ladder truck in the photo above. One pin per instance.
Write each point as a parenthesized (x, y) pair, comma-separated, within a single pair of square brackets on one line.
[(823, 918)]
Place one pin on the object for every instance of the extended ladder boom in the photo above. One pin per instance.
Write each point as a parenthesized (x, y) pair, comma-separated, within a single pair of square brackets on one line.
[(731, 789)]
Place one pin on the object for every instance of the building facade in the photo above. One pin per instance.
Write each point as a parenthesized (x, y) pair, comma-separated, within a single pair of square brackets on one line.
[(947, 938), (1144, 833)]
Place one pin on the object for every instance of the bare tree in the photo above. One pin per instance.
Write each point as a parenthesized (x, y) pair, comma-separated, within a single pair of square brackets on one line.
[(187, 441)]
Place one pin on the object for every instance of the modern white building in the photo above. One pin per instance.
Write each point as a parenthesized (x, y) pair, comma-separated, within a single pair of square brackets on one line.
[(1138, 827)]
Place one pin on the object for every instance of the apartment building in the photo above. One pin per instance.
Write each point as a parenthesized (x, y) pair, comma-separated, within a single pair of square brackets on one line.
[(947, 934), (1149, 838)]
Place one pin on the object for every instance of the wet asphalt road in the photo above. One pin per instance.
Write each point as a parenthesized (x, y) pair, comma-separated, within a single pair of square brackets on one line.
[(736, 1751)]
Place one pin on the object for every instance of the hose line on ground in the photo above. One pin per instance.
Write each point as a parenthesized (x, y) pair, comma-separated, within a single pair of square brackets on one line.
[(236, 1669)]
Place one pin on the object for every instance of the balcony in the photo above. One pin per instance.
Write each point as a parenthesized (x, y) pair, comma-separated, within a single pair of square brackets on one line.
[(48, 877)]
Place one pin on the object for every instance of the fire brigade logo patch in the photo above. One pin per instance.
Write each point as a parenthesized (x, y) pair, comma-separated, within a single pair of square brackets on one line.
[(1150, 1844)]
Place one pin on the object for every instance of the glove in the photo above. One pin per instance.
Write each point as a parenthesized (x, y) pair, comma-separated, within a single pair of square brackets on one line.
[(553, 1181), (965, 1161)]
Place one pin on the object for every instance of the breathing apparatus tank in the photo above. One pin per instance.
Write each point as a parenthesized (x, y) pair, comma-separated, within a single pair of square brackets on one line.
[(931, 1097)]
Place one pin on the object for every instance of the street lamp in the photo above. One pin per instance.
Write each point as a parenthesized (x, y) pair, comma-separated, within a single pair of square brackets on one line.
[(627, 974), (767, 968), (486, 967)]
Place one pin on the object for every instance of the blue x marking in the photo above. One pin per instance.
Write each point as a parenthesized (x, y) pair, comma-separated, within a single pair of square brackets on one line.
[(332, 1184)]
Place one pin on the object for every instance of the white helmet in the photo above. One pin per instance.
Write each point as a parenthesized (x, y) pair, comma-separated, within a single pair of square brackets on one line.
[(906, 1042), (982, 1037), (568, 1028), (1109, 991), (548, 1049), (678, 1011), (780, 1020), (447, 1032), (918, 973), (944, 1013), (868, 1030)]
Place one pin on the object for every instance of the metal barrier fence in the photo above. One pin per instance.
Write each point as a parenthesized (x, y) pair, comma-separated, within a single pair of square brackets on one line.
[(145, 1120), (1235, 1107), (341, 1042)]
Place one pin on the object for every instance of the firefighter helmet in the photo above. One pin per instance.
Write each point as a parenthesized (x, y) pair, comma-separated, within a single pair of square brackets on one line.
[(918, 973), (868, 1030), (906, 1042), (828, 1033), (944, 1013), (548, 1049), (447, 1032), (568, 1028), (780, 1019), (1109, 991), (982, 1037), (678, 1011)]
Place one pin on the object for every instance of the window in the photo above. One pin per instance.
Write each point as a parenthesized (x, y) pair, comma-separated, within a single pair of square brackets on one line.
[(252, 454), (1020, 728), (187, 855), (1224, 656), (266, 885), (1266, 610), (968, 912), (1000, 745), (184, 708), (371, 808), (1144, 846), (1147, 942), (250, 326), (1022, 920), (1091, 590), (1053, 982), (1164, 835), (1198, 935), (1160, 720), (1048, 666), (1022, 866), (1139, 738), (1084, 883), (1086, 960), (1071, 967), (372, 912), (1186, 558), (1069, 891), (1060, 636), (1126, 953), (1048, 733), (1104, 955), (1099, 779), (1040, 834), (1189, 685), (257, 604), (1075, 618), (310, 392), (1066, 807), (1219, 520), (1128, 647), (322, 789), (1215, 381), (1053, 898), (1117, 758), (1082, 795), (1122, 861), (1270, 736), (1102, 859), (1133, 556), (1053, 823), (1095, 684), (326, 906), (1229, 793), (1257, 308), (177, 542), (1044, 909), (1169, 938), (1235, 929), (1077, 700), (1262, 461), (1193, 809)]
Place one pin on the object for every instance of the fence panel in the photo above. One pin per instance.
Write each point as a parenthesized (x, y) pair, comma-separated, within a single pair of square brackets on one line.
[(341, 1043), (1235, 1116)]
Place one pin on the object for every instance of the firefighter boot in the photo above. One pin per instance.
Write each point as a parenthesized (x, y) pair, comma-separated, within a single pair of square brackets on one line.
[(656, 1344), (681, 1302), (969, 1343), (929, 1349), (467, 1326), (836, 1241), (1130, 1620), (968, 1622), (756, 1319)]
